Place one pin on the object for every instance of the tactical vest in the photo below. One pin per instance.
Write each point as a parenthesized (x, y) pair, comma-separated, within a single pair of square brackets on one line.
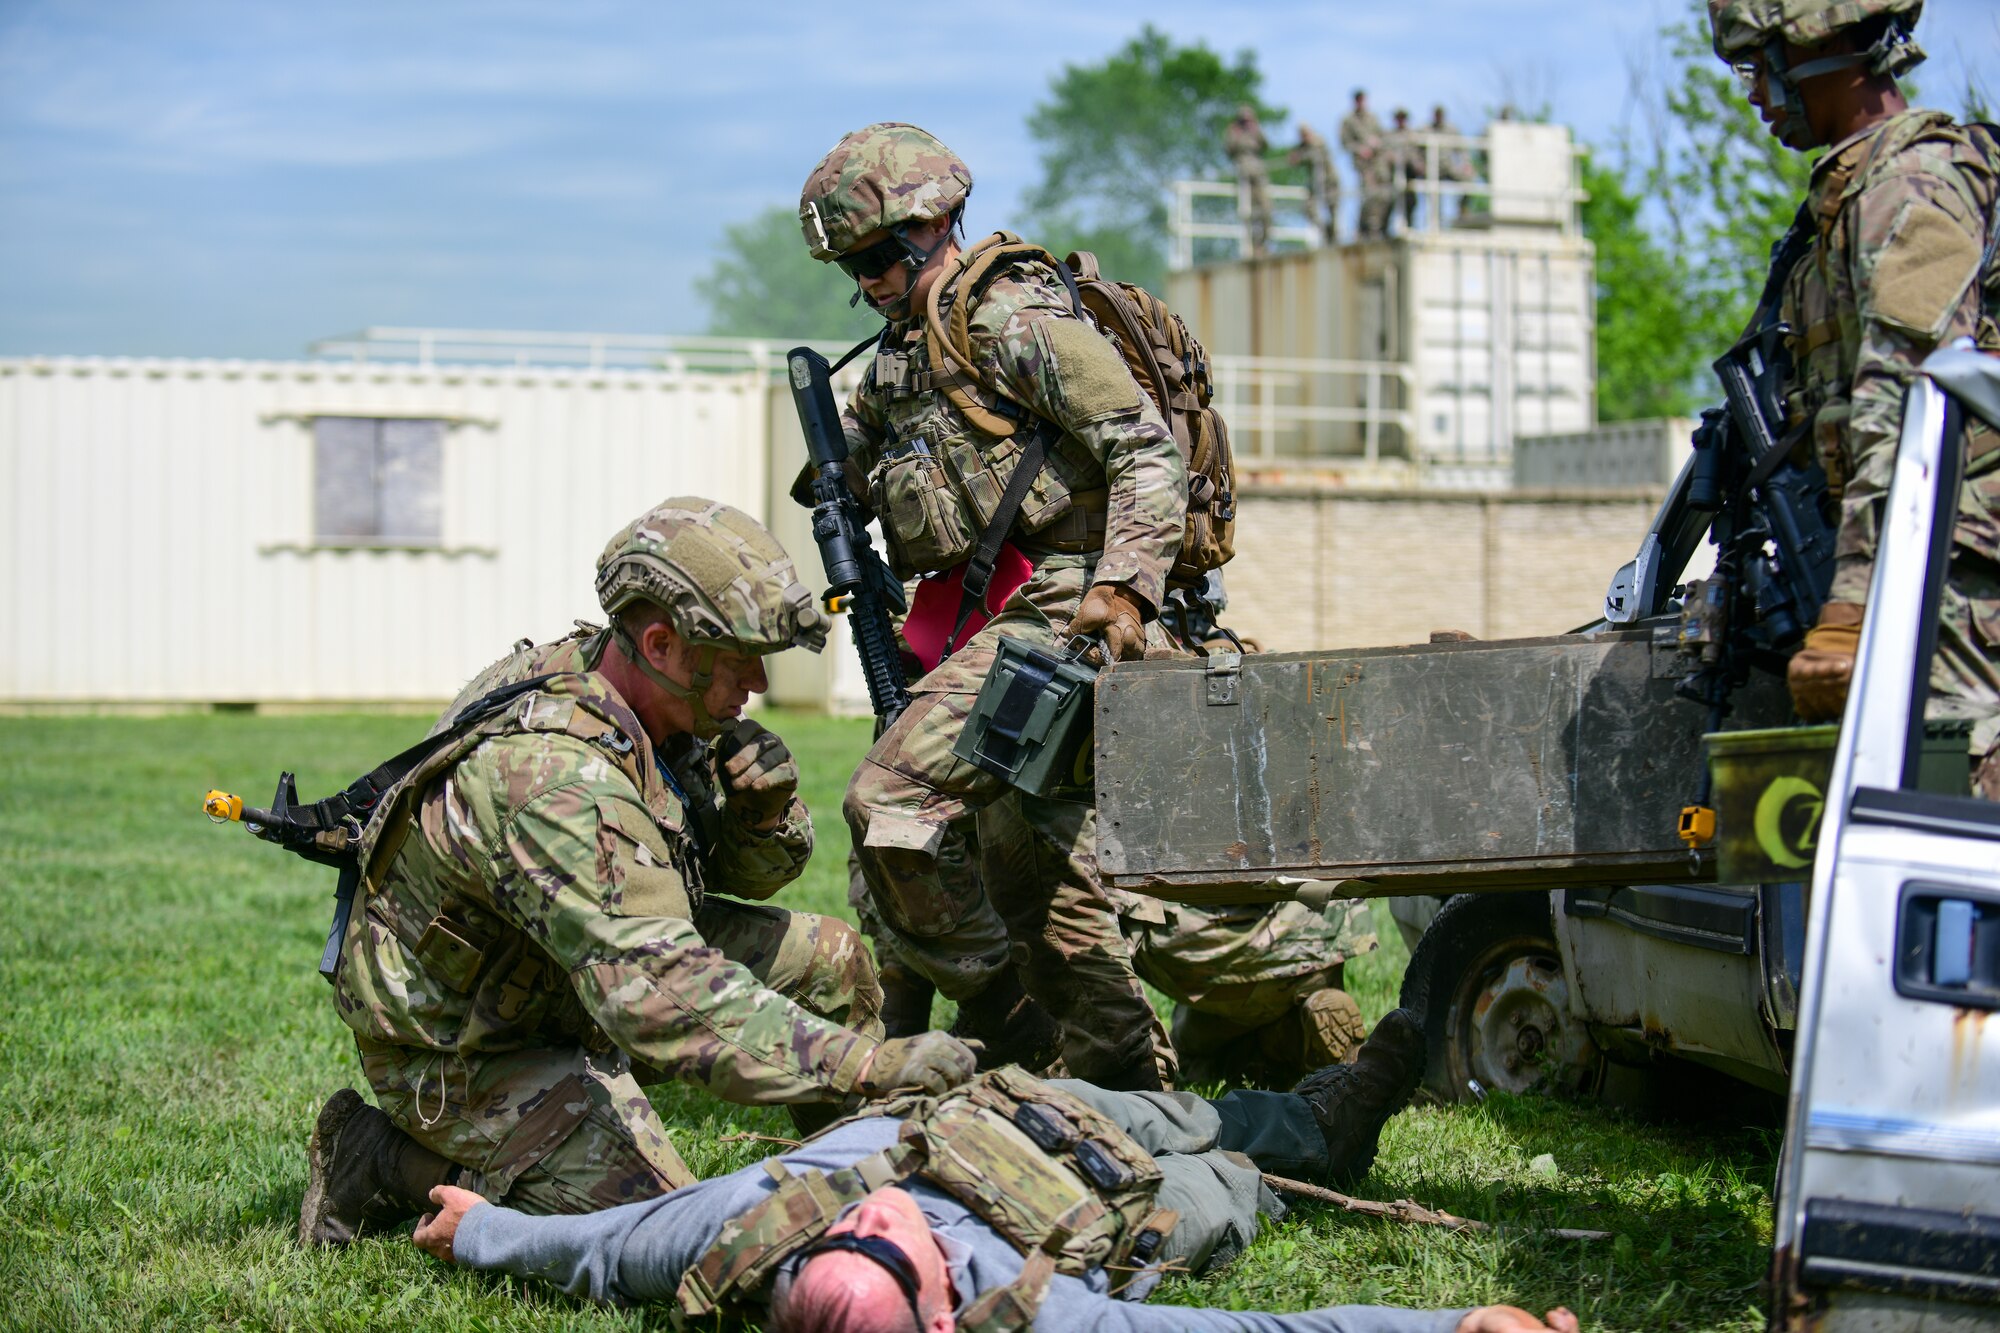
[(1067, 1188), (942, 475), (463, 945), (1165, 359)]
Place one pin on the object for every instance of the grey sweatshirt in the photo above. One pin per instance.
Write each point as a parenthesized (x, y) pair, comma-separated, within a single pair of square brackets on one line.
[(638, 1253)]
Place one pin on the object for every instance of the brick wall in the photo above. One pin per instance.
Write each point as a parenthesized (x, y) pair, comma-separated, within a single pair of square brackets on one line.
[(1319, 568)]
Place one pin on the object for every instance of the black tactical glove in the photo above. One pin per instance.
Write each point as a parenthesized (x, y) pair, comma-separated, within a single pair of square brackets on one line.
[(758, 773)]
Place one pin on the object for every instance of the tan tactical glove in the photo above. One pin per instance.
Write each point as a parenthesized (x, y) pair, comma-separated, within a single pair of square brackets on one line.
[(930, 1062), (1113, 610), (758, 773), (1820, 670)]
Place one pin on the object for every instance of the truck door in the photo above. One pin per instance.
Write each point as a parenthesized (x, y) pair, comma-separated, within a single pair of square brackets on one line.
[(1889, 1183)]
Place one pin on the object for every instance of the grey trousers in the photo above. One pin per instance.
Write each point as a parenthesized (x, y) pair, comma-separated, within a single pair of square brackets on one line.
[(1212, 1155)]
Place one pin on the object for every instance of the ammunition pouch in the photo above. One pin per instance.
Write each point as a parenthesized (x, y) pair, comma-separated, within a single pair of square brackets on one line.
[(1032, 722), (1067, 1188)]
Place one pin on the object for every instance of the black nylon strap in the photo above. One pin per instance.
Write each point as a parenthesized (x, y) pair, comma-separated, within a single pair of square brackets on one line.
[(1031, 676), (357, 801), (979, 569)]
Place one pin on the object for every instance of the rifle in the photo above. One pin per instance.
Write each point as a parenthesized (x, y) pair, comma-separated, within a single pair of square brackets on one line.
[(859, 582), (1774, 543)]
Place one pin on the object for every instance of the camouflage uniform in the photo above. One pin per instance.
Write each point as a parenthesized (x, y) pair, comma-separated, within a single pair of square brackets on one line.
[(1257, 988), (1244, 141), (1107, 507), (1361, 138), (1404, 166), (536, 937), (1900, 213), (1322, 182)]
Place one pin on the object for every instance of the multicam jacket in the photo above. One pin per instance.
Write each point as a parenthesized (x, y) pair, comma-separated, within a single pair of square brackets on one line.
[(1902, 212), (536, 884), (1114, 481)]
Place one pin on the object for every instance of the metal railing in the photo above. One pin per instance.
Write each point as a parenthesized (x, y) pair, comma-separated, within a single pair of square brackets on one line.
[(1297, 410), (1454, 169), (675, 353)]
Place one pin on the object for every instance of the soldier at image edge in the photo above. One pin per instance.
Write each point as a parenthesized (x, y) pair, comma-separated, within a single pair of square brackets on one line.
[(1100, 526), (1899, 218), (538, 930)]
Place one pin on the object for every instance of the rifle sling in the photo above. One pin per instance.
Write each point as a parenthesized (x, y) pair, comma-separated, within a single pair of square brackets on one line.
[(357, 801), (979, 569)]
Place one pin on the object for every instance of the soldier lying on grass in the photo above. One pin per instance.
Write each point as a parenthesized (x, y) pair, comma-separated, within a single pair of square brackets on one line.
[(918, 1213)]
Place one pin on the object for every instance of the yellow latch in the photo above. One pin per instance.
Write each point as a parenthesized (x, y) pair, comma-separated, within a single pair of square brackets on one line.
[(1697, 824), (220, 806)]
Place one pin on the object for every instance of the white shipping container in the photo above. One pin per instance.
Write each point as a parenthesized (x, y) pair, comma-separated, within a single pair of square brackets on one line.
[(160, 541)]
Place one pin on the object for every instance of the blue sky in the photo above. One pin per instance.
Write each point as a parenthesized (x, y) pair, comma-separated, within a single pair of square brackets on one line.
[(236, 179)]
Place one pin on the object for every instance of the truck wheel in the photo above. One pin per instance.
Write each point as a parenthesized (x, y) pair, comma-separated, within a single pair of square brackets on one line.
[(1488, 980)]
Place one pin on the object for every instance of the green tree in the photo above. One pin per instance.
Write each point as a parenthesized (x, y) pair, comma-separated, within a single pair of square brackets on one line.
[(1727, 188), (1114, 135), (764, 284), (1648, 350)]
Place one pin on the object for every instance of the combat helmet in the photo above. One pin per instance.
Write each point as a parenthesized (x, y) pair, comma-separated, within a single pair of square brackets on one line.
[(881, 177), (1741, 29), (722, 579)]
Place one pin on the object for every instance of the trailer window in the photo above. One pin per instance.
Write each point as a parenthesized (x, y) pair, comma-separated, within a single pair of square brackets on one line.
[(378, 481)]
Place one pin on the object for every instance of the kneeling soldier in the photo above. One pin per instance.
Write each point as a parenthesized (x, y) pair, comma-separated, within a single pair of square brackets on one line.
[(536, 932)]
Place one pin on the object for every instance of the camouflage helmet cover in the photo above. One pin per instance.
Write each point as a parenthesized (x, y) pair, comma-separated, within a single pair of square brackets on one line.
[(1741, 26), (721, 577), (875, 178)]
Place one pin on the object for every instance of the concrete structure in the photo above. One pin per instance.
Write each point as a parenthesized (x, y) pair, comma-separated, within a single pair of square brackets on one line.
[(1417, 360), (1613, 455)]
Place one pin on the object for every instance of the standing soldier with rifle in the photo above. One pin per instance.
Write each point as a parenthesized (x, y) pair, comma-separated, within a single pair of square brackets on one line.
[(1041, 456), (1894, 257)]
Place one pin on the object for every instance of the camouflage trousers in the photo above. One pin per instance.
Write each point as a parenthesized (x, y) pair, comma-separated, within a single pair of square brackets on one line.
[(965, 873), (1062, 933), (567, 1128), (1257, 989)]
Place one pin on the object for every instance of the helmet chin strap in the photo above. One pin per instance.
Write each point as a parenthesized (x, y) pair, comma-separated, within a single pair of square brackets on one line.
[(1782, 80), (916, 259), (692, 693)]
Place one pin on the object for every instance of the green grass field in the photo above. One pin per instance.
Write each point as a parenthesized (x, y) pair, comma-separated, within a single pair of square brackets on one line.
[(165, 1043)]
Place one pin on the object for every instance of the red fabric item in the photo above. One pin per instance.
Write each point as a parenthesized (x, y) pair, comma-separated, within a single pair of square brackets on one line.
[(934, 610)]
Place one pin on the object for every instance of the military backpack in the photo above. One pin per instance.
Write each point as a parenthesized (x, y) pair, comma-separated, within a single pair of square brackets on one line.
[(1064, 1184), (1168, 362)]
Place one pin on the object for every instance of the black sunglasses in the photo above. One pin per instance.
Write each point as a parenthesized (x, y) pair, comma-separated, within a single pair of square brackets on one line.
[(873, 261), (884, 1252)]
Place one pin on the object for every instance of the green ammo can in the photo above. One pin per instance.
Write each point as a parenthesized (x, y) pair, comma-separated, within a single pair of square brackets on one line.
[(1032, 721), (1770, 793)]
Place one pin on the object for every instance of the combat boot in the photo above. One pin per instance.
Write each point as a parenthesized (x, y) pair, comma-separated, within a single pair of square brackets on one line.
[(1352, 1102), (362, 1172), (1010, 1026), (1325, 1028)]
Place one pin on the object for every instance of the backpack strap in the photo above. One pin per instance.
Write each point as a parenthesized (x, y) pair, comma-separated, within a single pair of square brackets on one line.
[(950, 341)]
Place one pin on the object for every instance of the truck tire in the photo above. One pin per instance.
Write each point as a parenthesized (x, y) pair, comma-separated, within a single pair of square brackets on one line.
[(1488, 980)]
